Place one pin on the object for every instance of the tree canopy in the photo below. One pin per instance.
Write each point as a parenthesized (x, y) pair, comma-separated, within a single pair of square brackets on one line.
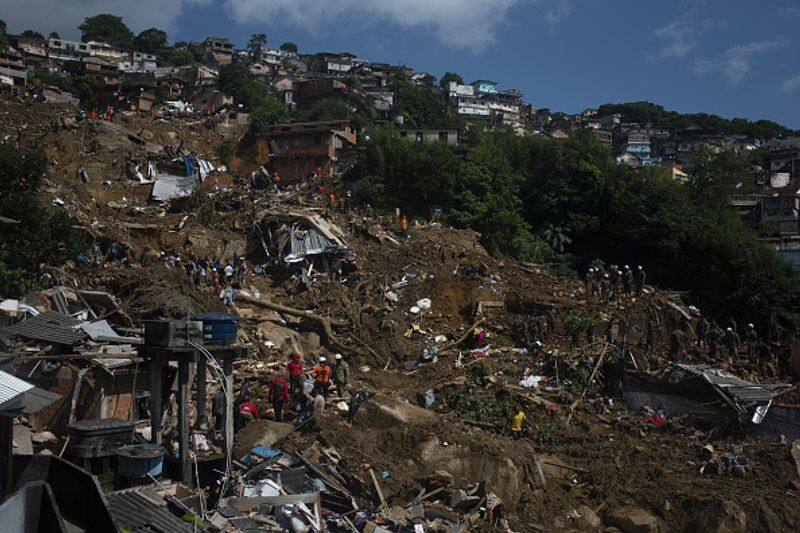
[(31, 33), (151, 41), (444, 83), (289, 47), (270, 112), (106, 28), (43, 233), (647, 112)]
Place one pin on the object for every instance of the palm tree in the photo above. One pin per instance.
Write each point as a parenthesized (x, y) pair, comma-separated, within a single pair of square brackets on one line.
[(557, 237)]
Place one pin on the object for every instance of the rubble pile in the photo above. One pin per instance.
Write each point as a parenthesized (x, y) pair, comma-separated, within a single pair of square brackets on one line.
[(467, 392)]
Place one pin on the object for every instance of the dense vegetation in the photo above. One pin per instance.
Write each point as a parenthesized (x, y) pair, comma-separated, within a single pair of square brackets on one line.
[(40, 234), (646, 112), (565, 203)]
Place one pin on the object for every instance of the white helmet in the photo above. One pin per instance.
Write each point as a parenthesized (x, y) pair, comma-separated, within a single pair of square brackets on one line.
[(338, 356), (322, 359), (750, 326), (729, 330)]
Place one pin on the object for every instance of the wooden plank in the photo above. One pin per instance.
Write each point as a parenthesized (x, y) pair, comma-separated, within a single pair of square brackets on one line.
[(378, 490), (156, 366), (183, 422)]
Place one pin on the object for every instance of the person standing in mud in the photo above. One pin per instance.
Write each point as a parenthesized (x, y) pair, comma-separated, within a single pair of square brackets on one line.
[(701, 339), (552, 317), (605, 289), (732, 344), (639, 277), (627, 280)]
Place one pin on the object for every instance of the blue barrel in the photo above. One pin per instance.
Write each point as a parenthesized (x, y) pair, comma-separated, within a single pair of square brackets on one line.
[(218, 328), (137, 460)]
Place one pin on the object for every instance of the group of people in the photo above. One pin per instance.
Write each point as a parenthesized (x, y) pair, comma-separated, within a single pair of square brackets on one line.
[(615, 282), (216, 273), (288, 392), (539, 327)]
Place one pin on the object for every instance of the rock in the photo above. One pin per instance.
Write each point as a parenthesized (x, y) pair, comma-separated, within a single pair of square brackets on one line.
[(462, 501), (147, 135), (720, 517), (312, 341), (43, 437), (587, 519), (171, 135), (631, 519)]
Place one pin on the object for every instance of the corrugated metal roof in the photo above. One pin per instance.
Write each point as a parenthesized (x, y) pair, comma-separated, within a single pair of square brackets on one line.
[(49, 327), (739, 390), (134, 512), (11, 388)]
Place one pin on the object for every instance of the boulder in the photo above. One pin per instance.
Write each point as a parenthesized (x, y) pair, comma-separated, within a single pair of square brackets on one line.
[(721, 517), (631, 519), (586, 519)]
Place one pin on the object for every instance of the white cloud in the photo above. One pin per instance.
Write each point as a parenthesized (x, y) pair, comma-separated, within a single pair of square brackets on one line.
[(459, 23), (735, 62), (64, 16), (682, 34), (791, 84), (557, 13)]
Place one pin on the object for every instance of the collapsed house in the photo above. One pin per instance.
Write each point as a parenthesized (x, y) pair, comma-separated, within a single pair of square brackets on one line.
[(303, 240), (712, 397)]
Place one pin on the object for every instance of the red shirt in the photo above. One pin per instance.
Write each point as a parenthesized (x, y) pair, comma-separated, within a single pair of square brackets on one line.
[(248, 408), (295, 369)]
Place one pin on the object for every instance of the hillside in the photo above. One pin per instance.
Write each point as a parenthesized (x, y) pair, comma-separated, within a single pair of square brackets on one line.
[(650, 113), (402, 310)]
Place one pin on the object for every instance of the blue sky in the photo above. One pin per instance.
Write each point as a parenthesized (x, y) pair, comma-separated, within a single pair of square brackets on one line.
[(729, 57)]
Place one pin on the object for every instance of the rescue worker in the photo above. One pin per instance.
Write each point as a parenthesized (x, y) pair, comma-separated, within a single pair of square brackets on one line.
[(322, 377), (517, 424), (750, 339), (627, 280), (677, 340), (732, 344), (715, 336), (278, 396), (615, 275), (342, 376), (588, 283), (639, 277), (551, 317), (518, 333), (404, 225), (605, 288), (535, 328), (702, 332)]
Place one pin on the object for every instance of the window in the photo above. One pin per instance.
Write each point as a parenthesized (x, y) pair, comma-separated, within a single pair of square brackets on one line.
[(443, 136)]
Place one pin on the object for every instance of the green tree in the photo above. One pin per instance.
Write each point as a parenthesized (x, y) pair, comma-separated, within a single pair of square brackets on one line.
[(33, 34), (178, 57), (106, 28), (257, 40), (326, 109), (42, 234), (252, 94), (233, 77), (54, 35), (422, 106), (151, 41), (444, 83), (289, 47), (269, 113)]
